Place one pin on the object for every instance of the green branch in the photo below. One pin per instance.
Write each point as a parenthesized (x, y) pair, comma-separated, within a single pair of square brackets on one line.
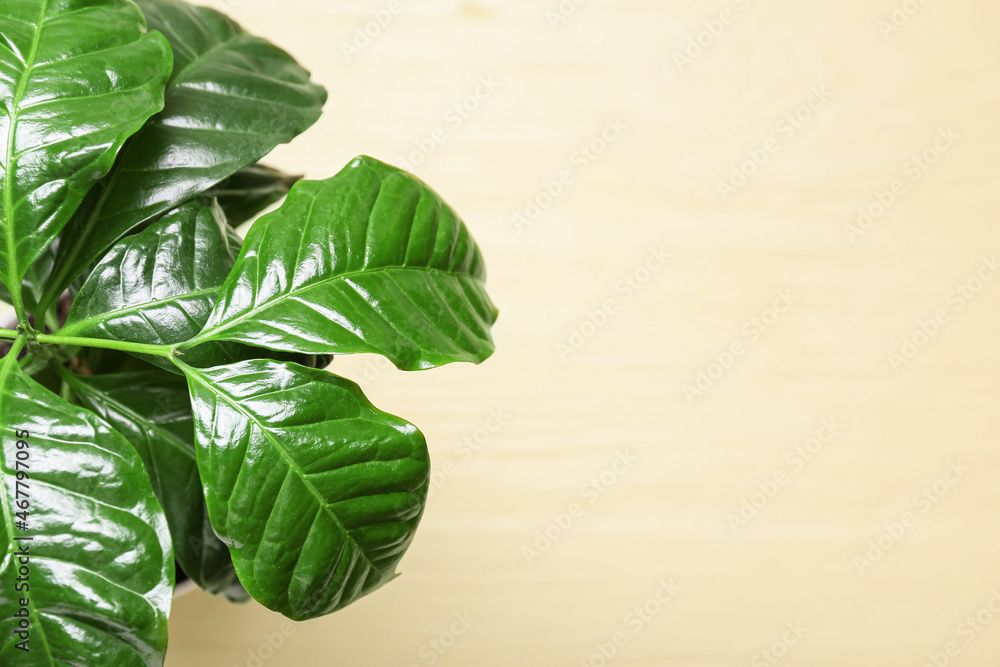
[(124, 346)]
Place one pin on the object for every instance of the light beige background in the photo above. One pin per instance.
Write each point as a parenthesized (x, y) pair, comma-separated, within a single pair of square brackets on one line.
[(565, 418)]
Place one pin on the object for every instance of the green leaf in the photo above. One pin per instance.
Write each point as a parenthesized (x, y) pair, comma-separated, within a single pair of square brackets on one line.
[(100, 361), (99, 567), (317, 493), (36, 276), (370, 260), (152, 410), (35, 280), (248, 192), (232, 98), (158, 287), (76, 79)]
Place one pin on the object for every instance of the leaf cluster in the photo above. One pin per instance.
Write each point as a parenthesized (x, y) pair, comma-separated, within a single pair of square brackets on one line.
[(164, 393)]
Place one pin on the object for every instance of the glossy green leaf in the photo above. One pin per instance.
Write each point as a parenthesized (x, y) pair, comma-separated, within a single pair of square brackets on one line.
[(152, 410), (99, 566), (232, 98), (248, 192), (37, 275), (35, 279), (370, 260), (316, 492), (158, 287), (76, 79), (98, 361)]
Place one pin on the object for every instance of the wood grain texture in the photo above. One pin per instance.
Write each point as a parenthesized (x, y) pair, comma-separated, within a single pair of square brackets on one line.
[(565, 420)]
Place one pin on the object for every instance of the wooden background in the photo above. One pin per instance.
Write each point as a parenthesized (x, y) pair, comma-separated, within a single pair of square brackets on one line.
[(837, 105)]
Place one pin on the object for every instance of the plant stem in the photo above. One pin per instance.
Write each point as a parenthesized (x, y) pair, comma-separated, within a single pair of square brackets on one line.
[(11, 357), (45, 303), (52, 320), (18, 303), (124, 346)]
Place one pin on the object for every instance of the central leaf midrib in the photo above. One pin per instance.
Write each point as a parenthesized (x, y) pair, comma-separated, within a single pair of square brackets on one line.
[(288, 459), (10, 362), (209, 334), (13, 273)]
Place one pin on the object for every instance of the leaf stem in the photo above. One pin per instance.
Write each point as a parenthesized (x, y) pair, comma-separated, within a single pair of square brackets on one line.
[(10, 359), (46, 302), (125, 346), (52, 320), (18, 302)]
